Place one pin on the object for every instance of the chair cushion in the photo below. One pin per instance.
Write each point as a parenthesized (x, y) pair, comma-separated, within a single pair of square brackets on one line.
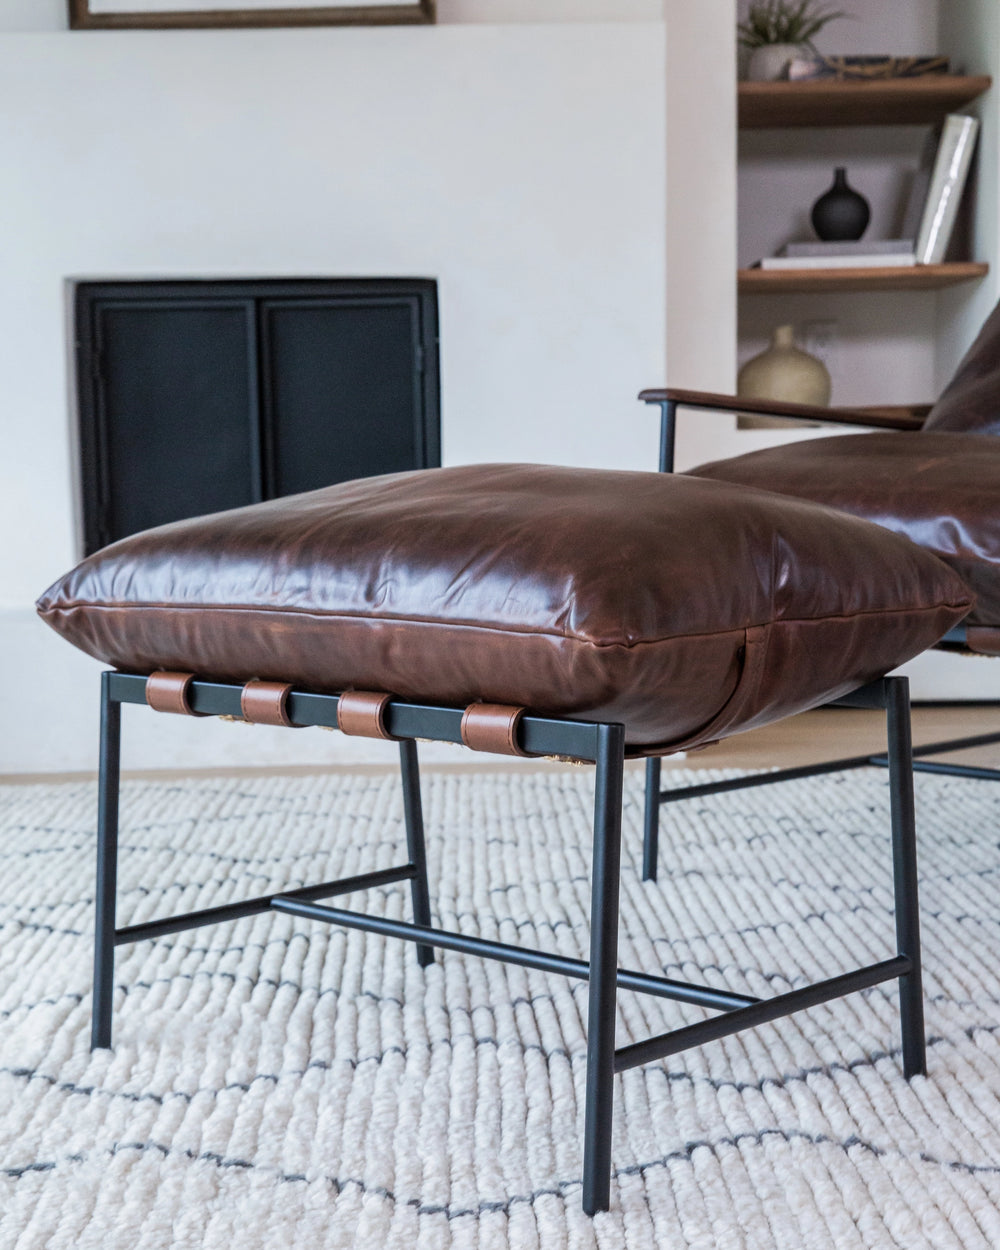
[(941, 490), (971, 400), (685, 609)]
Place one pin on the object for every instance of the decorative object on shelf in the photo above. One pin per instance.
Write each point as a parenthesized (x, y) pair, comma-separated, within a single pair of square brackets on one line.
[(783, 371), (859, 260), (771, 64), (116, 14), (841, 212), (778, 31), (864, 68), (946, 184), (880, 247)]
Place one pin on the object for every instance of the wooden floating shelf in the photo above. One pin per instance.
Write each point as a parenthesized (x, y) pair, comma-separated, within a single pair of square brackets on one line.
[(887, 278), (879, 102)]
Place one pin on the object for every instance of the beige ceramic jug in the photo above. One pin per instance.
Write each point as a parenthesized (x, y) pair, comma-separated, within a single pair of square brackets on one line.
[(783, 372)]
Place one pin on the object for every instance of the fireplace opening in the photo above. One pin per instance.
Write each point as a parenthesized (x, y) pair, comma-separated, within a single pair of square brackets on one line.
[(202, 395)]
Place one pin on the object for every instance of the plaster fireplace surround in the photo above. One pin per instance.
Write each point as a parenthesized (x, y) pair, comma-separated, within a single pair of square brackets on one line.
[(539, 213)]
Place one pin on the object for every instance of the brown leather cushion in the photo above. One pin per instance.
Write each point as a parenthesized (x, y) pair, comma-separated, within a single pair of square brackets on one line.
[(971, 400), (941, 490), (687, 610)]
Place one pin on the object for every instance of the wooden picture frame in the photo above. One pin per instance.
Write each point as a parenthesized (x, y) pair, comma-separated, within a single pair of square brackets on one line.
[(152, 14)]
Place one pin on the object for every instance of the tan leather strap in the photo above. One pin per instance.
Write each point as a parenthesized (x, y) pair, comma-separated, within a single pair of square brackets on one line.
[(168, 692), (264, 702), (361, 713), (492, 727)]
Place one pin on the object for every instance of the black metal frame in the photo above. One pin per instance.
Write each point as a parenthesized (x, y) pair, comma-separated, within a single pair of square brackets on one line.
[(953, 640), (601, 744)]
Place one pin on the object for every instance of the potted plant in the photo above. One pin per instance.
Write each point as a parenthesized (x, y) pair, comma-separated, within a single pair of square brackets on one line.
[(777, 31)]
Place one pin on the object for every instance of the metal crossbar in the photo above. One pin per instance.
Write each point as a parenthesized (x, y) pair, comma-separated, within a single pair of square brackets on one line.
[(265, 902), (485, 948), (973, 771), (602, 744), (672, 794), (763, 779), (760, 1012)]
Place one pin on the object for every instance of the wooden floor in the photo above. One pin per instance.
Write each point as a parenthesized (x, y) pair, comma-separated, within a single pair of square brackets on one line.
[(834, 732), (829, 733)]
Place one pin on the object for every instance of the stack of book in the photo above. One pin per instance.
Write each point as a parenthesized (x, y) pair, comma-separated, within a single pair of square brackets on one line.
[(843, 255), (928, 222)]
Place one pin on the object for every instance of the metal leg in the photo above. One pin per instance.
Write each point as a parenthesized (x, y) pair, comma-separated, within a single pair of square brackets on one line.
[(603, 969), (904, 863), (605, 745), (107, 868), (651, 823), (413, 811), (668, 426)]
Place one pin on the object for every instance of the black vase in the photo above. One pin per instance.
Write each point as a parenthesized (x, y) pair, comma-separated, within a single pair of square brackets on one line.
[(841, 213)]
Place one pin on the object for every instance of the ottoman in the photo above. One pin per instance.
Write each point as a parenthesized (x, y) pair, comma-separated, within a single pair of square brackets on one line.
[(520, 610)]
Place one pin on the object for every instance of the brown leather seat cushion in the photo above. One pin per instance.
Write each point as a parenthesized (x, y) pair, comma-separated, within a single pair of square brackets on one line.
[(687, 610), (940, 489), (971, 400)]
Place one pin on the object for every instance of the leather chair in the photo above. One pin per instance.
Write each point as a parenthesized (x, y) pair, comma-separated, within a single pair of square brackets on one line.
[(932, 475)]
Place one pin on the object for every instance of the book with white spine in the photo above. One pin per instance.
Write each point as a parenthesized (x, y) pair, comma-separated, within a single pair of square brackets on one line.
[(951, 168)]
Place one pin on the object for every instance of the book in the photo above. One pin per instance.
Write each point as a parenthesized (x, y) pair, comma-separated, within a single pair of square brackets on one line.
[(869, 260), (855, 247), (919, 186), (951, 168)]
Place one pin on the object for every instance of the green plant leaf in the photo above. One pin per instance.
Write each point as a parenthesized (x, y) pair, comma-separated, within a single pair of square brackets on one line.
[(784, 21)]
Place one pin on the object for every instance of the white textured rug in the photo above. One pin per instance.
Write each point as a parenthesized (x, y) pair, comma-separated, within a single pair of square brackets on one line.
[(277, 1083)]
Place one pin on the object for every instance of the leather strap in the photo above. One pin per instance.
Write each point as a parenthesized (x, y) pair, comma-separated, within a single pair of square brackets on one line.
[(361, 713), (492, 727), (264, 702), (755, 644), (168, 692)]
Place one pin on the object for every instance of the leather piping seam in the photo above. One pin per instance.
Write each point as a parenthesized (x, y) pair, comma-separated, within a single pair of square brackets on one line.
[(737, 630)]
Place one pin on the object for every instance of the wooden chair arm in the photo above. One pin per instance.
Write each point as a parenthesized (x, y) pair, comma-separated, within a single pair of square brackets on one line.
[(885, 418)]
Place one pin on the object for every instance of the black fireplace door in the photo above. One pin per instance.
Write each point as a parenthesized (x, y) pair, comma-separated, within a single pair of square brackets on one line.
[(200, 396)]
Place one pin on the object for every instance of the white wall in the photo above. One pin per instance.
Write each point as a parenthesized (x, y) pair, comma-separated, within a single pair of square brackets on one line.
[(521, 166), (701, 227)]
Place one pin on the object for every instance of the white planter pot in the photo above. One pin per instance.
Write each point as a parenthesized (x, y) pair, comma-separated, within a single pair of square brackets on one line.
[(768, 64)]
